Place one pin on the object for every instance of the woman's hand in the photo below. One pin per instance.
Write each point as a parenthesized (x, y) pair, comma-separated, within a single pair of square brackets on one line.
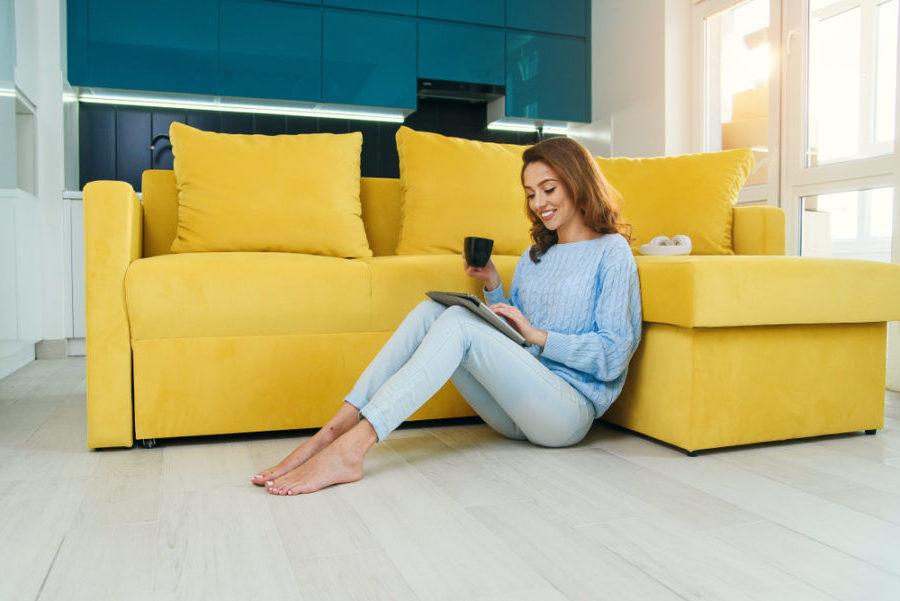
[(487, 274), (520, 323)]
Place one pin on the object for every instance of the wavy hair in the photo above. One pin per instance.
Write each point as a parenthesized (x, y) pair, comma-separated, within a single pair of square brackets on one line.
[(593, 195)]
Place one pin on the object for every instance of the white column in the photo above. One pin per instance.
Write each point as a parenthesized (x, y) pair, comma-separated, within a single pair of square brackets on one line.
[(47, 80)]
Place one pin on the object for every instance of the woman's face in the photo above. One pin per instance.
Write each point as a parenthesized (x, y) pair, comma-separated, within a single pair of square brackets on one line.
[(548, 197)]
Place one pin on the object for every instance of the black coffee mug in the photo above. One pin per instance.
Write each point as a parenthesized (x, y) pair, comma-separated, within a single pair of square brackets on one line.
[(478, 250)]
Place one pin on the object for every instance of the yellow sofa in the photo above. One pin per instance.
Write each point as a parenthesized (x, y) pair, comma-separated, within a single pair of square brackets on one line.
[(736, 349)]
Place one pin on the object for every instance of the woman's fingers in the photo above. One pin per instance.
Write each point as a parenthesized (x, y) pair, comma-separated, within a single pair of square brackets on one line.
[(511, 314)]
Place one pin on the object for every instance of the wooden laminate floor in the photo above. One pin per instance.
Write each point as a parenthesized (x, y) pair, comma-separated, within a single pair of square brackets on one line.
[(452, 512)]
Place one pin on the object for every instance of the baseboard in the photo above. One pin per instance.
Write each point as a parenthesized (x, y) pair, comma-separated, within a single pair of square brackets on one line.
[(14, 354), (50, 349), (76, 347)]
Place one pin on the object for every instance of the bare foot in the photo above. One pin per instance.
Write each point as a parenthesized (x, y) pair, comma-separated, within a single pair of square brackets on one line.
[(297, 457), (346, 417), (338, 463)]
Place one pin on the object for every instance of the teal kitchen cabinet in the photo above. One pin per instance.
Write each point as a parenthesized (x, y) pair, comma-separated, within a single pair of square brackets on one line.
[(400, 7), (77, 42), (567, 17), (368, 59), (270, 50), (160, 45), (484, 12), (457, 52), (547, 77)]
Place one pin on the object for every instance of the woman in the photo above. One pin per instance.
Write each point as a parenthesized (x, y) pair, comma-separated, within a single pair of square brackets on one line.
[(575, 297)]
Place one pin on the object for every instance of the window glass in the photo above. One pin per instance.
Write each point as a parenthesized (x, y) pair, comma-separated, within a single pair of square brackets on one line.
[(848, 225), (852, 80), (738, 64)]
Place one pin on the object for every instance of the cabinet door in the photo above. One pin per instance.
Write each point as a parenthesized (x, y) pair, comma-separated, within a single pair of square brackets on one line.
[(461, 53), (485, 12), (77, 42), (568, 17), (400, 7), (368, 60), (270, 50), (164, 45), (547, 77)]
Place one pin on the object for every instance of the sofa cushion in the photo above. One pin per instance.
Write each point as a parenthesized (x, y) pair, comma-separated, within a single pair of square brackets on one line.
[(246, 294), (756, 290), (399, 283), (690, 194), (452, 188), (295, 193)]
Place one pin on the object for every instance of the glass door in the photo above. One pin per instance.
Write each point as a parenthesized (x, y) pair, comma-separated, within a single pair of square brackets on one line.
[(840, 103), (740, 88)]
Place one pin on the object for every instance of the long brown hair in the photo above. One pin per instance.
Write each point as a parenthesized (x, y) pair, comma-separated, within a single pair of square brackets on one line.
[(598, 201)]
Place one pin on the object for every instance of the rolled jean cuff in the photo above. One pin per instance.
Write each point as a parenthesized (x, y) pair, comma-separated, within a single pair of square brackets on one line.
[(356, 401), (377, 421)]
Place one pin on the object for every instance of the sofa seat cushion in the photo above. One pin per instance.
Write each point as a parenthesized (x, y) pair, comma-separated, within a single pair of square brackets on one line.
[(246, 294), (716, 291), (399, 283)]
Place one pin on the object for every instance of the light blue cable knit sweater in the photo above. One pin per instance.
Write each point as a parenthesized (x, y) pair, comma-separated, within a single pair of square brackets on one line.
[(587, 296)]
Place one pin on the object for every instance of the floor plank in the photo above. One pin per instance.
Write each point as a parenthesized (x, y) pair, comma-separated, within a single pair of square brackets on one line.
[(441, 550), (858, 534), (220, 544), (697, 566), (464, 473), (34, 517), (365, 576), (819, 565), (580, 569), (877, 503), (104, 562)]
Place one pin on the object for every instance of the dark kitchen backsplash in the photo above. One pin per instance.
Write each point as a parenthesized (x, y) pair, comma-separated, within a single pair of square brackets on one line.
[(115, 140)]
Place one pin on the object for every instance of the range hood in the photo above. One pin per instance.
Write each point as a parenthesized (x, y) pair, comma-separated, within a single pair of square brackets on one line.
[(459, 90)]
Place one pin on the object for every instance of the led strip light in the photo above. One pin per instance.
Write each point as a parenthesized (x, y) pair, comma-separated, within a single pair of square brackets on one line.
[(527, 127), (219, 104)]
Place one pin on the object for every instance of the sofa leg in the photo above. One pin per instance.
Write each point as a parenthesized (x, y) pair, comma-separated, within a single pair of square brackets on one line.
[(691, 453), (148, 443), (871, 432)]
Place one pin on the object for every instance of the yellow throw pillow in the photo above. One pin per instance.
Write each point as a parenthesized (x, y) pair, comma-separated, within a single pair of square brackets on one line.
[(452, 188), (692, 194), (295, 193)]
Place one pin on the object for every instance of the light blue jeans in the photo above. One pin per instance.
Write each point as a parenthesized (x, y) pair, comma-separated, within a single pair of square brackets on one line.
[(511, 390)]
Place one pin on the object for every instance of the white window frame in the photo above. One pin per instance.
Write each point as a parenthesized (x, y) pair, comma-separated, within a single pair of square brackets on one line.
[(798, 180), (703, 9)]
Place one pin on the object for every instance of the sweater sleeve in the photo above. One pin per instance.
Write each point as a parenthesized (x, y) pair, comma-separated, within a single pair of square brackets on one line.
[(497, 296), (494, 296), (604, 352)]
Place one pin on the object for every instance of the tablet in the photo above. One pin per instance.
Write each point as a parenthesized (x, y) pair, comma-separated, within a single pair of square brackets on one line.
[(474, 304)]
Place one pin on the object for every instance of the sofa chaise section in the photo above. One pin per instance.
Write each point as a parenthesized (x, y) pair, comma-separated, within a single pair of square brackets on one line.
[(741, 350)]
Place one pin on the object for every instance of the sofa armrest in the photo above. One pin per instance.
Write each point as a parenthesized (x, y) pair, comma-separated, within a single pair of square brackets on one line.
[(758, 230), (112, 240)]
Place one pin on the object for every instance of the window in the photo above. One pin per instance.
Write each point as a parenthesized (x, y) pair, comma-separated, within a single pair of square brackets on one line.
[(737, 93)]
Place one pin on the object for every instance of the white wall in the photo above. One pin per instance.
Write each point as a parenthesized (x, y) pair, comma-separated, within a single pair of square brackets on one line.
[(640, 73), (7, 40), (51, 165), (679, 78), (36, 284), (26, 70), (7, 141)]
